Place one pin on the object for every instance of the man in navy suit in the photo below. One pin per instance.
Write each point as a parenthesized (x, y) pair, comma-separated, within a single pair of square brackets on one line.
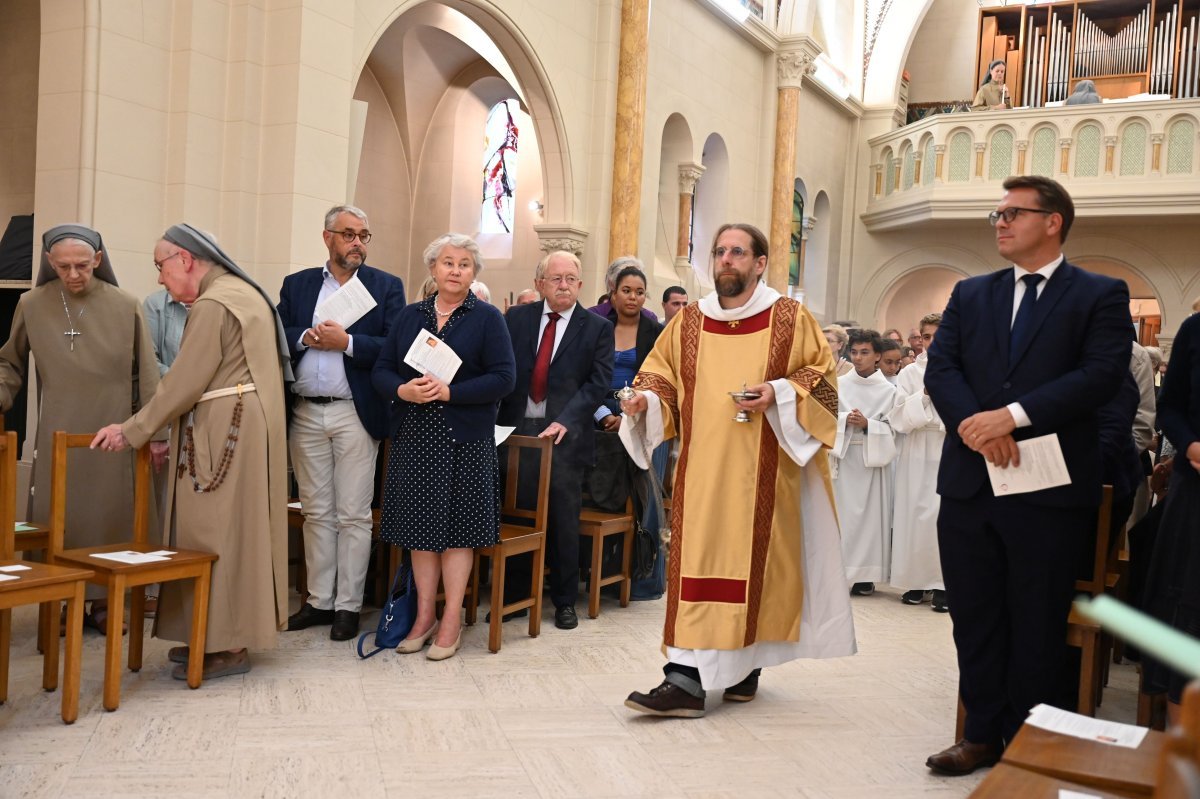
[(564, 367), (1032, 350), (337, 420)]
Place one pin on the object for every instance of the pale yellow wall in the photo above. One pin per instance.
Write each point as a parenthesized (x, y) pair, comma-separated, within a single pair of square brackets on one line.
[(383, 186), (941, 61), (19, 45)]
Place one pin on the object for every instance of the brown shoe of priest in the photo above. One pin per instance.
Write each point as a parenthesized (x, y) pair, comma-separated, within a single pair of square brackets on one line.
[(964, 757)]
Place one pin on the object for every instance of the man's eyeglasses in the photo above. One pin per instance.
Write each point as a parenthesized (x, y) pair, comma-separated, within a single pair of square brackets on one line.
[(349, 236), (736, 252), (159, 264), (559, 280), (1010, 213)]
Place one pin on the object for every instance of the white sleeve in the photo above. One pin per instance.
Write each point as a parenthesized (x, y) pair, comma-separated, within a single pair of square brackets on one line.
[(793, 438), (642, 433)]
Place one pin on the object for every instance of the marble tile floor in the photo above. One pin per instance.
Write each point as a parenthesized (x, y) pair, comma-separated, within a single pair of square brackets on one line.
[(543, 718)]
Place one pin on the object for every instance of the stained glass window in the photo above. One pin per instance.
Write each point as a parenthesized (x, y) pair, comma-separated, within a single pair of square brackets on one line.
[(797, 238), (499, 169)]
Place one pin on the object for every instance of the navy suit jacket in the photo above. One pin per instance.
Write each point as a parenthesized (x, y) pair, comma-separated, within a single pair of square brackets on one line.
[(1073, 363), (580, 375), (298, 300)]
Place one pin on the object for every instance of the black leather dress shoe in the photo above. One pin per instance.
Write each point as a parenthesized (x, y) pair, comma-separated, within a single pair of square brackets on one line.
[(345, 625), (565, 618), (308, 616), (964, 757)]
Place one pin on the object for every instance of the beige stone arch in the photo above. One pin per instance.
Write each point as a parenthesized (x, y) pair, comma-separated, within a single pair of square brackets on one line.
[(529, 74), (881, 83), (894, 273), (1147, 275), (679, 170)]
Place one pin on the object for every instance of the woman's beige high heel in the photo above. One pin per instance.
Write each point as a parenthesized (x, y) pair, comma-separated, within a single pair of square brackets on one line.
[(410, 645), (442, 652)]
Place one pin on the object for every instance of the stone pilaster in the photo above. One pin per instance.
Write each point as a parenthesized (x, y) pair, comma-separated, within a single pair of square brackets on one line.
[(793, 63), (630, 133)]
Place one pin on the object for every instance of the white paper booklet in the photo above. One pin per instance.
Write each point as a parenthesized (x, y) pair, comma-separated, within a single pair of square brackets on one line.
[(131, 557), (429, 355), (1042, 466), (1086, 727), (4, 578), (16, 567), (347, 305), (502, 434)]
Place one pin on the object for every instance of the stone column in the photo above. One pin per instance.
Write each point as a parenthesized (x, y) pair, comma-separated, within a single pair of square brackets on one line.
[(939, 163), (980, 148), (1110, 147), (1022, 149), (792, 63), (1064, 148), (1156, 142), (630, 129), (806, 229), (689, 176)]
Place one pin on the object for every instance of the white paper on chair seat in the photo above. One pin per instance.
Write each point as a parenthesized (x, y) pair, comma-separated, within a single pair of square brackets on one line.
[(1086, 727), (16, 567), (6, 577), (1063, 793), (165, 553), (502, 433), (22, 527), (131, 557), (295, 505)]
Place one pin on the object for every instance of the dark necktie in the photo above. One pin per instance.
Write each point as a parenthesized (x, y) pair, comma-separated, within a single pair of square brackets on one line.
[(1023, 322), (541, 365)]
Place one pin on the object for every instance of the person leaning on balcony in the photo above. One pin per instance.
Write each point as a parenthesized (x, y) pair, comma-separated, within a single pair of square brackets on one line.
[(993, 94)]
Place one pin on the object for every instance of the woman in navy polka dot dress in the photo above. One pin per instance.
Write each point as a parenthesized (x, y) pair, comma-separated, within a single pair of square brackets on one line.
[(441, 499)]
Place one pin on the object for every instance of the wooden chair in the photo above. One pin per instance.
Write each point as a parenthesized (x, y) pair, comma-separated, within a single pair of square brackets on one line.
[(599, 526), (1178, 769), (516, 539), (1005, 782), (40, 584), (117, 578), (1081, 632)]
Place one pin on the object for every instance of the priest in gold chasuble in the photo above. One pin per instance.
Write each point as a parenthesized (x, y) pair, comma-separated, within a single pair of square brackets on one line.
[(755, 574)]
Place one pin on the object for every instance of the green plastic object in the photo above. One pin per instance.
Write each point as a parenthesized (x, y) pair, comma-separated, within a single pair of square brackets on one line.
[(1166, 644)]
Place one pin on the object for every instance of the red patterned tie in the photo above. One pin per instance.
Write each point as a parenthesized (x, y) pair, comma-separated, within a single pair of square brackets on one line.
[(541, 366)]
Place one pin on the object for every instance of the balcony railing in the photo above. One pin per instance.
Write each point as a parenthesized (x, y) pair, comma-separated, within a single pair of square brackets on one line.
[(1132, 158)]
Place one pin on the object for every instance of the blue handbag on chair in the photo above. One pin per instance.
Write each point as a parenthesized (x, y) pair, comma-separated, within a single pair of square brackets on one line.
[(398, 614)]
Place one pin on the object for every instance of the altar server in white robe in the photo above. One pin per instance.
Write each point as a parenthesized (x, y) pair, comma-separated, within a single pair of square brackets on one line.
[(863, 454), (916, 565)]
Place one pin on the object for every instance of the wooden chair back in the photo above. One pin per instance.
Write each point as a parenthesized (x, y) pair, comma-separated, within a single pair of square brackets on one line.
[(8, 495), (1097, 582), (1178, 769), (58, 489), (516, 445)]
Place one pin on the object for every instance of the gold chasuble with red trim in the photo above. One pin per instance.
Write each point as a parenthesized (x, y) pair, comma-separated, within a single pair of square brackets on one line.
[(735, 576)]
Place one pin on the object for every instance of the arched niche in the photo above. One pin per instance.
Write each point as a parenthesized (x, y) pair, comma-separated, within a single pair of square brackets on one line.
[(712, 204), (484, 27), (922, 291), (898, 28), (676, 149), (816, 256), (433, 74)]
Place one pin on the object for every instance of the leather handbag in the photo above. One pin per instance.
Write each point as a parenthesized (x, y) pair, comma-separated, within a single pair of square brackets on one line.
[(398, 614)]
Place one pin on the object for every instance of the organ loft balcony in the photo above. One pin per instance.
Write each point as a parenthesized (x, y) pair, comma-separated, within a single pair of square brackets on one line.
[(1119, 159)]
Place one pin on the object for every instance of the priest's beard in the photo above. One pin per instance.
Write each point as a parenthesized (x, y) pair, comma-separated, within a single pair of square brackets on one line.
[(731, 284)]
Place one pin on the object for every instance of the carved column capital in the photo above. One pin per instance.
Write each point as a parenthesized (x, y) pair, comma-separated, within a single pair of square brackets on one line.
[(980, 146), (793, 66), (939, 148), (807, 226), (689, 176), (1156, 138), (1064, 143), (1110, 141), (1023, 145), (560, 237)]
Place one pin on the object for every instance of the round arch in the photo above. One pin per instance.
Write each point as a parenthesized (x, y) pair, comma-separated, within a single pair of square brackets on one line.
[(920, 291), (529, 73), (711, 202), (881, 84), (871, 300)]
